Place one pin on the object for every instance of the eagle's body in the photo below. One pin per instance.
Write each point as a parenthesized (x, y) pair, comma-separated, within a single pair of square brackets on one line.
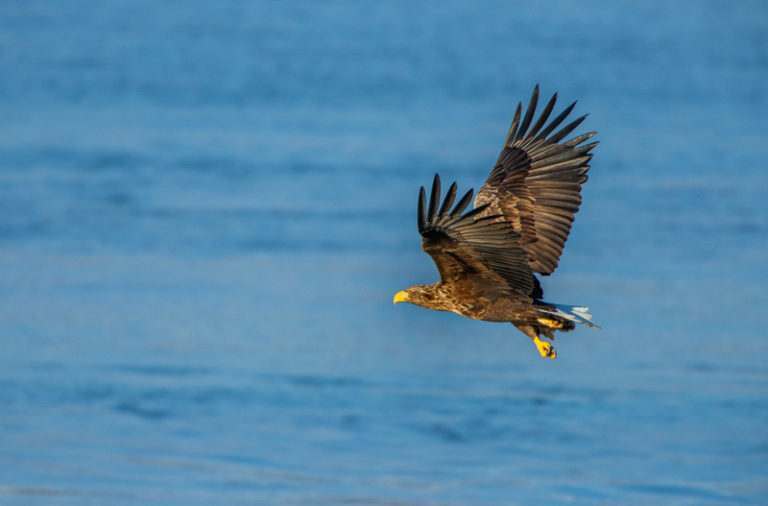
[(471, 300), (487, 257)]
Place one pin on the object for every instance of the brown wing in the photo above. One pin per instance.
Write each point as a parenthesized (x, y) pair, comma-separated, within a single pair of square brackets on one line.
[(468, 248), (536, 182)]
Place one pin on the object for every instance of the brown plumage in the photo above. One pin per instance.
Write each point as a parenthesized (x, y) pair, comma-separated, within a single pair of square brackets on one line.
[(523, 213)]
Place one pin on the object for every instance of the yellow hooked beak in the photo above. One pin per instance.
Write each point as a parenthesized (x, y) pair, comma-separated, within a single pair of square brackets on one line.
[(401, 296)]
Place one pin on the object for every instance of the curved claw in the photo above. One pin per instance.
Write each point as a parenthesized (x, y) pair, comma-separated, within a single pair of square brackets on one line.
[(546, 349)]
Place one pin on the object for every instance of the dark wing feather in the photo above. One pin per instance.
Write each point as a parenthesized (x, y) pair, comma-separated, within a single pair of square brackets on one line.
[(467, 247), (536, 182)]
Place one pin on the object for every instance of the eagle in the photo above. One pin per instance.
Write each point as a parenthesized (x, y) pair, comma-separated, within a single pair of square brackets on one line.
[(488, 257)]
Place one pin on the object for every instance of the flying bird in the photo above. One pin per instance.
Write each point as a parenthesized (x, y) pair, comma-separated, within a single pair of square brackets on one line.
[(488, 257)]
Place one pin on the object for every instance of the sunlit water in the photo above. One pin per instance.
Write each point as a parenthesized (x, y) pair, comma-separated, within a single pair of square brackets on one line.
[(205, 209)]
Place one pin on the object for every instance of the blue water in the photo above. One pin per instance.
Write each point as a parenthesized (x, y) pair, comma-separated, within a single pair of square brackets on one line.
[(206, 207)]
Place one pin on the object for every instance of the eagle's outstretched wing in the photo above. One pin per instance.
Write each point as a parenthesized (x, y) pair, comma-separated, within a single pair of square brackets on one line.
[(469, 248), (536, 182)]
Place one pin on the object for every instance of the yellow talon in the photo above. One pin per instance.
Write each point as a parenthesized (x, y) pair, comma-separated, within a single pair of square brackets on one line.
[(550, 323), (546, 349)]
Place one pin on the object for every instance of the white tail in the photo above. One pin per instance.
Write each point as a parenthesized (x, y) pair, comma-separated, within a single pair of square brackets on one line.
[(578, 314)]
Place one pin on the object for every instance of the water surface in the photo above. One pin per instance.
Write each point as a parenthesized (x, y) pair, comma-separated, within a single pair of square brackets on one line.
[(205, 210)]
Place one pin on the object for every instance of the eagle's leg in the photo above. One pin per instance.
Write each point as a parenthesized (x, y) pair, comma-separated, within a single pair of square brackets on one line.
[(545, 349)]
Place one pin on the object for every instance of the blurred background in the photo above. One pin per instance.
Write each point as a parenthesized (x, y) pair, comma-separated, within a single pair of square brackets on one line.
[(206, 207)]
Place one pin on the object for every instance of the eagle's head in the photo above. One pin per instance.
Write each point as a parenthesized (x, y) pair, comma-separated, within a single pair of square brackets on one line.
[(421, 295)]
